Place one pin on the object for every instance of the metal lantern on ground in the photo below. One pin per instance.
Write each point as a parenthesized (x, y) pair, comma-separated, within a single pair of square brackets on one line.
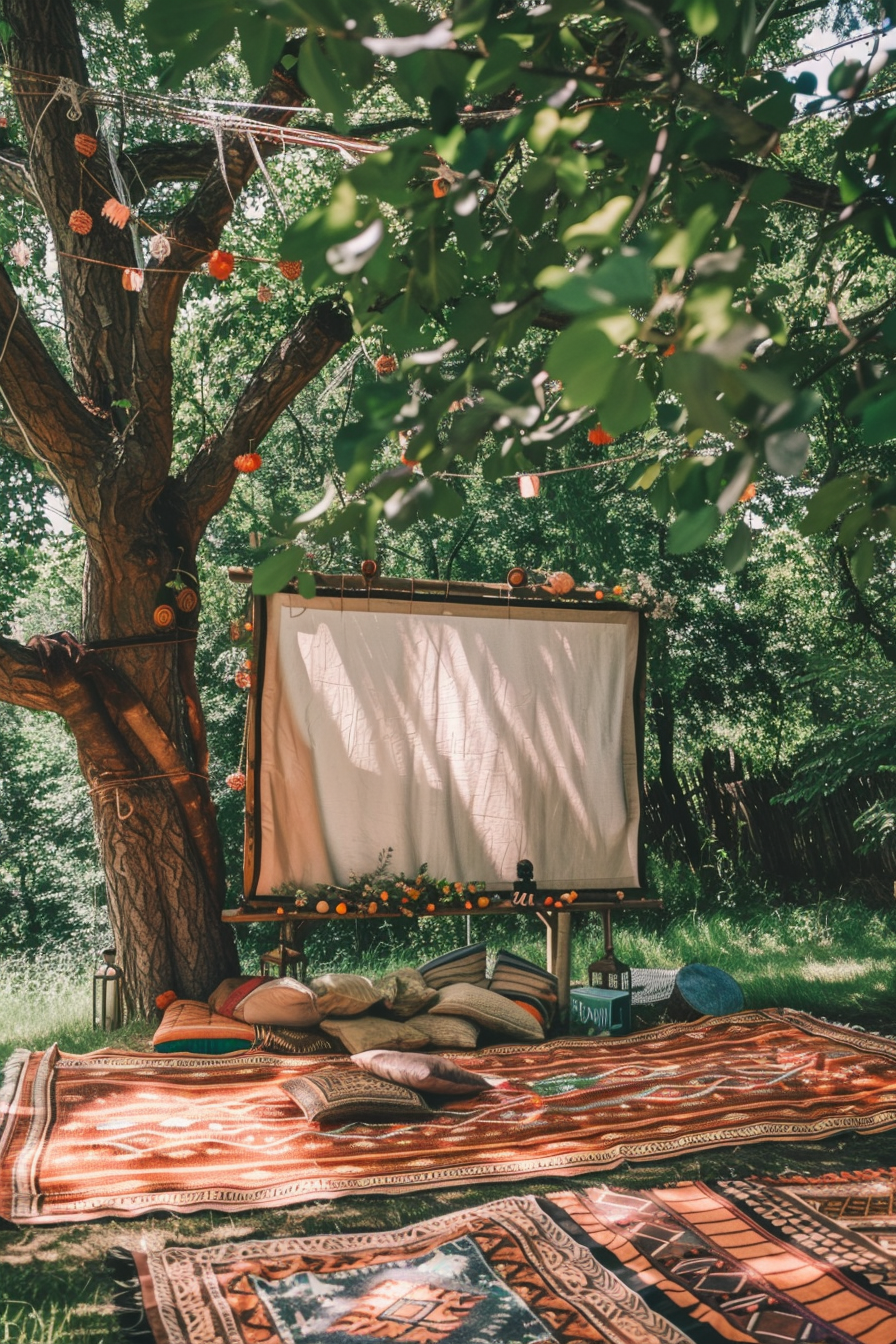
[(108, 996)]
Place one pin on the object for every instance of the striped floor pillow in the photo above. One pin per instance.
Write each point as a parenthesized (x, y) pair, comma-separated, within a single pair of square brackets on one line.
[(464, 966), (516, 978), (192, 1028)]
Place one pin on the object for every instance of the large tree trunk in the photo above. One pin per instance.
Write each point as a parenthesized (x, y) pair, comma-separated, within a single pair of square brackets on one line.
[(126, 690)]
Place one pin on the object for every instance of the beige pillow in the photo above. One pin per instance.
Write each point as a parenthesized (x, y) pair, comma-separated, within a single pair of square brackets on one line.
[(346, 1094), (358, 1034), (424, 1073), (465, 965), (280, 1002), (343, 995), (405, 992), (489, 1010), (447, 1033)]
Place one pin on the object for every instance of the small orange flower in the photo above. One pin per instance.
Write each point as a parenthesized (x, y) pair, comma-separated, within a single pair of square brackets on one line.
[(386, 364), (429, 909), (458, 886), (599, 594), (748, 494), (599, 436), (440, 187), (372, 908), (468, 905), (669, 350), (221, 264), (280, 910), (384, 895), (617, 591)]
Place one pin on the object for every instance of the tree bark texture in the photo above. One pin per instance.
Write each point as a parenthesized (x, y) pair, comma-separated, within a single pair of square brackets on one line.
[(127, 692)]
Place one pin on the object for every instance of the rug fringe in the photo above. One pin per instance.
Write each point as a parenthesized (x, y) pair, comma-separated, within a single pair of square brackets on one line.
[(127, 1297)]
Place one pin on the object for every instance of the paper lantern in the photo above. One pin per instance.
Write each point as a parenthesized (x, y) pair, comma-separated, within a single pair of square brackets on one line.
[(85, 145), (164, 616), (132, 279), (264, 294), (159, 246), (20, 253), (517, 576), (116, 213), (108, 993), (599, 436), (290, 270), (247, 462), (386, 364), (529, 486), (221, 264), (559, 583), (80, 222), (236, 781), (440, 187)]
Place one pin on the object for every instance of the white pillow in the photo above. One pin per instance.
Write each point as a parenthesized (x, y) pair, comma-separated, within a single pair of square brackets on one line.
[(280, 1002)]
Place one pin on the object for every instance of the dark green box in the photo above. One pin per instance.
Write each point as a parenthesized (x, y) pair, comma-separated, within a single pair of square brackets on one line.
[(599, 1012)]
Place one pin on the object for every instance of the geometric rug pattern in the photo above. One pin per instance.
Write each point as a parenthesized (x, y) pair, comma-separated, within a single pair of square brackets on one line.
[(685, 1264), (123, 1135)]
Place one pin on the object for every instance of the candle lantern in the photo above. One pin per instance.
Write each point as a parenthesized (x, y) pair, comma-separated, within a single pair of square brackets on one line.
[(108, 998)]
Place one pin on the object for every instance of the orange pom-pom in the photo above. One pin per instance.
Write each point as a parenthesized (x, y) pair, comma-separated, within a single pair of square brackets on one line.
[(221, 264), (132, 279), (386, 364), (80, 222), (430, 908), (748, 494), (290, 270), (342, 908), (617, 591), (163, 1000), (599, 436), (85, 144), (164, 616), (116, 213), (236, 781), (599, 594), (247, 462), (440, 187)]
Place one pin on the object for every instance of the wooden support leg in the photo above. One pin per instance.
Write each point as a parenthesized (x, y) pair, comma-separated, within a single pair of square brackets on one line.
[(562, 963)]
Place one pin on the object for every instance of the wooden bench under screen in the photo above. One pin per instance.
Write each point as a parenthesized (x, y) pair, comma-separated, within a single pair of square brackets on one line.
[(465, 727)]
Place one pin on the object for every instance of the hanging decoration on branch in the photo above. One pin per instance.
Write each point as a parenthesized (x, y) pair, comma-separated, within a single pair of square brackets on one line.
[(80, 222), (20, 253), (116, 213), (164, 616), (86, 145), (599, 436), (530, 486), (132, 279), (236, 781), (290, 270), (264, 294), (159, 246), (221, 264), (247, 463), (386, 364)]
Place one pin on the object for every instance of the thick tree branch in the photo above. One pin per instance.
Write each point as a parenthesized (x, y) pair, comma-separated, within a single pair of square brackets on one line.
[(22, 681), (176, 161), (289, 366), (801, 190), (15, 176), (52, 425)]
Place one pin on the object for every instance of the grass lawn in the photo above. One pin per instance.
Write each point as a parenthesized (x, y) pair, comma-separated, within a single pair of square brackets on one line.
[(836, 963)]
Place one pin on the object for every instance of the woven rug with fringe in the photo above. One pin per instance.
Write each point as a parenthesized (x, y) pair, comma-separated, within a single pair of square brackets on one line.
[(684, 1264), (125, 1135)]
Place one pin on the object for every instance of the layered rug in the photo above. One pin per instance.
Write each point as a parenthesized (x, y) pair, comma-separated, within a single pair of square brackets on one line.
[(686, 1264), (120, 1134)]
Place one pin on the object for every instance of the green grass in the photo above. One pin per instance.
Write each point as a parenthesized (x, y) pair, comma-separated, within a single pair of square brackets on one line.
[(834, 961)]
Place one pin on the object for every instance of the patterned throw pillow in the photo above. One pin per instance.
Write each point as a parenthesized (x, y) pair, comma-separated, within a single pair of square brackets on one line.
[(466, 966), (405, 992), (345, 995), (341, 1094), (270, 1002), (489, 1010), (446, 1033), (521, 980), (425, 1073), (286, 1041), (373, 1033)]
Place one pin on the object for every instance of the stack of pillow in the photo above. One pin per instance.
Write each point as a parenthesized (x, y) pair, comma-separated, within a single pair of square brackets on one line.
[(444, 1006)]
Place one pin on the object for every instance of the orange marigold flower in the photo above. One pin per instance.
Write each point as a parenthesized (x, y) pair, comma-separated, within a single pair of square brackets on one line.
[(617, 591), (599, 436)]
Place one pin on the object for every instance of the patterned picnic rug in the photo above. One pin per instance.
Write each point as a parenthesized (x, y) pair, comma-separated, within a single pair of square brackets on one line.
[(684, 1264), (115, 1133)]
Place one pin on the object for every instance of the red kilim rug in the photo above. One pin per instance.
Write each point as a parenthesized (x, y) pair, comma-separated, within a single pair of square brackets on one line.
[(125, 1135), (683, 1264)]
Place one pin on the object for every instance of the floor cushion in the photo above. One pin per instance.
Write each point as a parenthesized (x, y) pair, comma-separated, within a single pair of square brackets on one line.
[(343, 1094), (465, 965), (273, 1002), (424, 1073), (516, 978), (405, 992), (193, 1028), (445, 1032), (373, 1033), (489, 1010), (344, 995), (290, 1041)]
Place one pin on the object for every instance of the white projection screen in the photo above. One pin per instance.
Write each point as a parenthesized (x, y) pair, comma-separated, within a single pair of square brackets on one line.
[(465, 734)]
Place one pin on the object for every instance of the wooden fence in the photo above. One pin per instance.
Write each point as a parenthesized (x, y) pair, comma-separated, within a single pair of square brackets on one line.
[(723, 808)]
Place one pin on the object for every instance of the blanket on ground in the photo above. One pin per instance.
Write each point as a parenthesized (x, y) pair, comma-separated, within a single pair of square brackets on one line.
[(685, 1264), (115, 1133)]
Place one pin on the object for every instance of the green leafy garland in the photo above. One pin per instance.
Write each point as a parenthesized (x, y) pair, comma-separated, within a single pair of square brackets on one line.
[(383, 892)]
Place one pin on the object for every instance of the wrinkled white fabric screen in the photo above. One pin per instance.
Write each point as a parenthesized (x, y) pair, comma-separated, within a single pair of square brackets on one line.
[(461, 736)]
